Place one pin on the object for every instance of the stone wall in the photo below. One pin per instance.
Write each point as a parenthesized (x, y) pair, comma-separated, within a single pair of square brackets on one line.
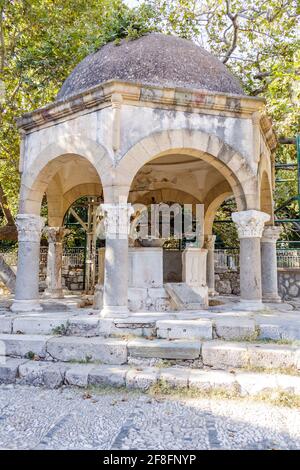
[(72, 278), (289, 282), (227, 282)]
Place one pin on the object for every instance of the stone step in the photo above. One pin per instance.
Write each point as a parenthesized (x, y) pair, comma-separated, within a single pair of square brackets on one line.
[(181, 349), (57, 374), (64, 348), (224, 354), (170, 325)]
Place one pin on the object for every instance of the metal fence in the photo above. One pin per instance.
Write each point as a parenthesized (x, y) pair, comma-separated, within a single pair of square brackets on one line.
[(224, 258)]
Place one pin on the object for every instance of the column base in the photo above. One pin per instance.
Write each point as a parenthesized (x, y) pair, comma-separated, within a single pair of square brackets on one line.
[(212, 293), (249, 305), (54, 293), (26, 306), (272, 298), (114, 312)]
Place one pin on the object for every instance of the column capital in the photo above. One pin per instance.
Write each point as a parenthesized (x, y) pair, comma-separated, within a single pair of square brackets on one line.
[(250, 224), (55, 234), (29, 227), (116, 217), (271, 233), (209, 242)]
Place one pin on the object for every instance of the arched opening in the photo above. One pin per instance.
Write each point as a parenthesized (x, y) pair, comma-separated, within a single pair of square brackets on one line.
[(266, 200)]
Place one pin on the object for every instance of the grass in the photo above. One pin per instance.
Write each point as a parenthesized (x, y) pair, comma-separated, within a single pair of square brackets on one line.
[(61, 330)]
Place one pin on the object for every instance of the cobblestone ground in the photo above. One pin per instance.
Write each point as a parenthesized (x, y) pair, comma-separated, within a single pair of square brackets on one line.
[(36, 418)]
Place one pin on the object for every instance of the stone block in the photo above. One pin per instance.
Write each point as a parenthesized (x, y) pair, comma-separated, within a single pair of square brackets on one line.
[(164, 349), (213, 379), (9, 369), (46, 374), (235, 328), (70, 348), (174, 329), (5, 325), (37, 325), (83, 326), (113, 376), (78, 374), (141, 379), (271, 356), (252, 384), (23, 345), (222, 355), (175, 377)]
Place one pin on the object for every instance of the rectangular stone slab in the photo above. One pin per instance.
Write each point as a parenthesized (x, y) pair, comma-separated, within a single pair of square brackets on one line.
[(164, 349), (9, 369), (70, 348), (176, 329), (23, 345)]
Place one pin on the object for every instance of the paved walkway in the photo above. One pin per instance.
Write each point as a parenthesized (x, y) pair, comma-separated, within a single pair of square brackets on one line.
[(36, 418)]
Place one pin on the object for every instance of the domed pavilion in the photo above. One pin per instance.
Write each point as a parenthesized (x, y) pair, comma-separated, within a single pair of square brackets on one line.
[(149, 121)]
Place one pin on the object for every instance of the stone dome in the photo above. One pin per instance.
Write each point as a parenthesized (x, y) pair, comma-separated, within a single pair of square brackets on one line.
[(154, 59)]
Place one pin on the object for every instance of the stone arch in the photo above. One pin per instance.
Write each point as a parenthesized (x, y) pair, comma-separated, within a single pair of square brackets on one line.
[(165, 194), (72, 150), (266, 197), (213, 201), (199, 144)]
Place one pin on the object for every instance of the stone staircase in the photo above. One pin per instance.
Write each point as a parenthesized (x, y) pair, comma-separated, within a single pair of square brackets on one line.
[(182, 349)]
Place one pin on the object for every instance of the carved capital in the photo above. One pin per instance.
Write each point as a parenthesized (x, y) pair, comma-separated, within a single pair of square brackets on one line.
[(29, 227), (209, 242), (55, 234), (271, 234), (250, 223), (116, 219)]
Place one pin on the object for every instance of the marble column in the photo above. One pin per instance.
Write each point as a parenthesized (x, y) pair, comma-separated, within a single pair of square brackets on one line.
[(209, 244), (269, 264), (115, 290), (55, 237), (27, 284), (250, 225)]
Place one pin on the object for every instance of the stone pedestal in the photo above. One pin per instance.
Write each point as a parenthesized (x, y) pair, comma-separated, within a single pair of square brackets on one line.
[(54, 261), (209, 244), (145, 267), (269, 264), (27, 284), (115, 291), (194, 271), (250, 225)]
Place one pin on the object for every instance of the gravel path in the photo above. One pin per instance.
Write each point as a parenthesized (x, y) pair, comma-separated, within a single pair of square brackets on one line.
[(36, 418)]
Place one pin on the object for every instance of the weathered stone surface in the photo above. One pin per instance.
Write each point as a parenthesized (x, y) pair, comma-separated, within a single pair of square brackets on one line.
[(221, 354), (252, 384), (164, 349), (271, 356), (23, 345), (288, 331), (175, 377), (5, 325), (9, 369), (78, 374), (108, 375), (46, 374), (235, 328), (141, 379), (209, 380), (37, 325), (70, 348), (85, 326), (176, 329)]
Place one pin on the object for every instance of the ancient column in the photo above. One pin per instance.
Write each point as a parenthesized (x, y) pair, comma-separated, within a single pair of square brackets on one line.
[(250, 225), (209, 244), (269, 264), (27, 284), (115, 291), (54, 261)]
